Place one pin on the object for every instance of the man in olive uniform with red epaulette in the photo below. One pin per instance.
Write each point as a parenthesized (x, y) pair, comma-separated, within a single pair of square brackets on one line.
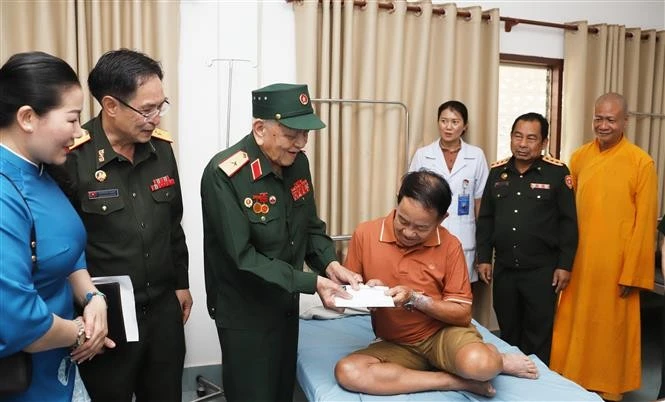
[(260, 224), (123, 181)]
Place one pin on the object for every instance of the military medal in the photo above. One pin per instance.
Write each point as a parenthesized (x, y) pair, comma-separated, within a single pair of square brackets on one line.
[(569, 181), (257, 208), (272, 200), (100, 175), (248, 202), (504, 176), (265, 208)]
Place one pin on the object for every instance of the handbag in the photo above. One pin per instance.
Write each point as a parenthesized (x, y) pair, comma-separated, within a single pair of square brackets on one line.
[(16, 369), (15, 373)]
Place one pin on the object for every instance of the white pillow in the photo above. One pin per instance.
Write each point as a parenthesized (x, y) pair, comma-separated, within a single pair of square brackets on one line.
[(311, 307)]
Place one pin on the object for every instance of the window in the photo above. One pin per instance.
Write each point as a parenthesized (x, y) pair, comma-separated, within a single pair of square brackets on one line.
[(529, 84)]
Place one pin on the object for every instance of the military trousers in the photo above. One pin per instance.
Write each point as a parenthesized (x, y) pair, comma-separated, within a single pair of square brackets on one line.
[(260, 364), (524, 302), (150, 369)]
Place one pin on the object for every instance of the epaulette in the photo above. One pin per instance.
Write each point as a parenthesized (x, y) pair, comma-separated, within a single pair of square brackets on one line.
[(234, 162), (499, 163), (552, 161), (162, 135), (81, 140)]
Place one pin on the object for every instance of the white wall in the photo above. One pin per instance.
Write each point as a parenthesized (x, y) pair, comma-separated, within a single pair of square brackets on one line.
[(263, 32), (548, 42)]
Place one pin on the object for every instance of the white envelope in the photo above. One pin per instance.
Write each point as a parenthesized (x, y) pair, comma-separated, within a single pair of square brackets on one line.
[(366, 296)]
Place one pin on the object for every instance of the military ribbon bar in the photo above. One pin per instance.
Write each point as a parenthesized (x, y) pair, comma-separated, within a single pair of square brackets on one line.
[(299, 189), (161, 182)]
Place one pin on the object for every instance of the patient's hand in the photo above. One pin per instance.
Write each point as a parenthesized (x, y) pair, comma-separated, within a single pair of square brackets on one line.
[(400, 294), (375, 282)]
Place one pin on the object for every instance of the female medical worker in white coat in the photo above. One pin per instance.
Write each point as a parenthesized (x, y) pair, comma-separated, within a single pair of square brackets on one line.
[(465, 168)]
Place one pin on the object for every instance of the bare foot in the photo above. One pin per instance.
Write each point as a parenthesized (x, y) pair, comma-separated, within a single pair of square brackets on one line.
[(519, 365), (477, 387), (483, 388)]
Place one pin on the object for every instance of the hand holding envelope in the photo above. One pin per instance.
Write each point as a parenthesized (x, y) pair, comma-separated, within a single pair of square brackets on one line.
[(366, 296)]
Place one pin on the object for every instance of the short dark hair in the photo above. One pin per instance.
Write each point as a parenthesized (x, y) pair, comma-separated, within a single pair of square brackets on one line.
[(428, 188), (533, 116), (34, 79), (457, 106), (119, 73)]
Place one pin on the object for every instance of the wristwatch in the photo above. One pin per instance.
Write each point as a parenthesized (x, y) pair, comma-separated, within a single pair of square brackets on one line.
[(80, 336)]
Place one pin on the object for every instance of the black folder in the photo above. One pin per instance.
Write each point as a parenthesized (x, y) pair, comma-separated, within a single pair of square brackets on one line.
[(114, 316)]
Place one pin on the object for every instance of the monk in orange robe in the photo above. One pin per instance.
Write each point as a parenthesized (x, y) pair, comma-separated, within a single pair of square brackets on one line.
[(596, 340)]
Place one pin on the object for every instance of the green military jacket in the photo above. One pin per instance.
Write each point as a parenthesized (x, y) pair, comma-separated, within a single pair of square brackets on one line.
[(131, 211), (258, 230), (529, 219)]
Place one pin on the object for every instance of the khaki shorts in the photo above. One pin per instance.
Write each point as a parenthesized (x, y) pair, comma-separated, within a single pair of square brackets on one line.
[(436, 352)]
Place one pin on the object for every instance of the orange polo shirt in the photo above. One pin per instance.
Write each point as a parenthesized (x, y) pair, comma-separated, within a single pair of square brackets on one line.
[(437, 268)]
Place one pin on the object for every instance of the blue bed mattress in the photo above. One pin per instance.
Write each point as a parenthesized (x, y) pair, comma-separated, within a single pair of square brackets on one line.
[(323, 342)]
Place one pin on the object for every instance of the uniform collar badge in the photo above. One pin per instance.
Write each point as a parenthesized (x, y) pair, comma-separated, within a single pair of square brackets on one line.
[(256, 169), (100, 155)]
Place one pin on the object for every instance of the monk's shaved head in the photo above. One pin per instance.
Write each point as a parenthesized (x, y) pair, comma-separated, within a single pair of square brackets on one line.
[(612, 97)]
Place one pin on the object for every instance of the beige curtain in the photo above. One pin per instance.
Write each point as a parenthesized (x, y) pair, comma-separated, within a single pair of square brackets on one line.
[(607, 61), (80, 31), (48, 26), (420, 59)]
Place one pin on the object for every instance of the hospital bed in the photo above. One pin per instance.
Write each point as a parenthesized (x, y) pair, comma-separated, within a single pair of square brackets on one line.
[(323, 342)]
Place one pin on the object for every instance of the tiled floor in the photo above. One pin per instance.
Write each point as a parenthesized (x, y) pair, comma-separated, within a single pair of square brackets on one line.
[(652, 339)]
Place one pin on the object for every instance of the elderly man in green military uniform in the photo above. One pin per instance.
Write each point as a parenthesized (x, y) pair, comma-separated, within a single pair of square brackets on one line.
[(260, 224), (528, 217)]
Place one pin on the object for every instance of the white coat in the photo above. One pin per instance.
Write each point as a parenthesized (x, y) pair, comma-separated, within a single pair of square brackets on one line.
[(470, 165)]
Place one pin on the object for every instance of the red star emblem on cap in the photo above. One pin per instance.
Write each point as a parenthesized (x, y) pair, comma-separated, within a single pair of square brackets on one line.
[(303, 98)]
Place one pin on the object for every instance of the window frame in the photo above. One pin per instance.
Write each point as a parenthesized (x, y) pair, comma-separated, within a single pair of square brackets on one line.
[(556, 92)]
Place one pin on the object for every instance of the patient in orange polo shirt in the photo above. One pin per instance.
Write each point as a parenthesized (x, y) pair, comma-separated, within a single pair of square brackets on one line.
[(427, 342)]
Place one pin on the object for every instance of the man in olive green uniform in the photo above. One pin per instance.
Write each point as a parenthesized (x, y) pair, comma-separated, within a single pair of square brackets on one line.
[(123, 181), (260, 224), (527, 216)]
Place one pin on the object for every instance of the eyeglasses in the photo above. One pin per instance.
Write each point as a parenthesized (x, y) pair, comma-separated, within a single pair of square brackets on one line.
[(159, 110)]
